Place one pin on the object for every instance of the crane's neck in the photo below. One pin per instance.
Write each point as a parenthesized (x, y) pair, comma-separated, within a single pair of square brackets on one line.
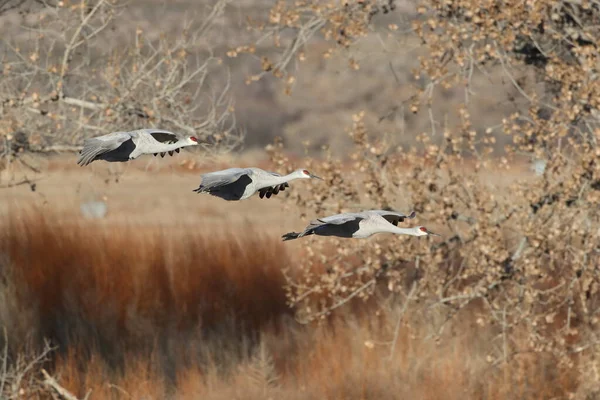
[(278, 180), (401, 231), (378, 224)]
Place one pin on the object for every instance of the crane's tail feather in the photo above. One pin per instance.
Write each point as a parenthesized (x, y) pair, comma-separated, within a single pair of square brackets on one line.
[(201, 189)]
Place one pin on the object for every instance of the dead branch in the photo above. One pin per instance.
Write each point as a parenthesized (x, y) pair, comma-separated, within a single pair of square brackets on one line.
[(29, 182), (61, 391), (400, 316)]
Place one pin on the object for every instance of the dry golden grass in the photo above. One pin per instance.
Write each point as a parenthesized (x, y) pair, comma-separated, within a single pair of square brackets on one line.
[(134, 289), (145, 313)]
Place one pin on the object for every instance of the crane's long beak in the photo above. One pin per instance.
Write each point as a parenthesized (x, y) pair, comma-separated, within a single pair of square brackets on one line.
[(433, 233), (316, 177)]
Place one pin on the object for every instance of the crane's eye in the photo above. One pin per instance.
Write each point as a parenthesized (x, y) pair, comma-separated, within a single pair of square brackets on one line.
[(305, 172), (423, 229), (193, 139)]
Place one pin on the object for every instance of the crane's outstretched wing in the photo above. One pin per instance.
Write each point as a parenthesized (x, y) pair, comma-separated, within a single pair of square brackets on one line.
[(161, 136), (94, 147), (213, 180), (338, 219), (392, 216), (272, 190)]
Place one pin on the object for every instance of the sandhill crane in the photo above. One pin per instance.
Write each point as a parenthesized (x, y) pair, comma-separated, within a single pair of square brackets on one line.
[(125, 146), (360, 225), (241, 183)]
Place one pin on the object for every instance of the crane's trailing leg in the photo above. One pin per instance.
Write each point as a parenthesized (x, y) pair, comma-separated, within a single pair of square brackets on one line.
[(290, 236), (296, 235)]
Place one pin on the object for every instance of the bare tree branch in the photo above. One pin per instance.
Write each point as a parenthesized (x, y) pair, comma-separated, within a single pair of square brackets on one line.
[(61, 391)]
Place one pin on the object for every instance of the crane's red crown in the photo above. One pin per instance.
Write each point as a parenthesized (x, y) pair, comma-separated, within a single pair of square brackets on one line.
[(423, 229), (305, 172), (194, 139)]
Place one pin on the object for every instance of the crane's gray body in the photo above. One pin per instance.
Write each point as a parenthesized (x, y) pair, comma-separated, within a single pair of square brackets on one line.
[(125, 146), (353, 225), (241, 183)]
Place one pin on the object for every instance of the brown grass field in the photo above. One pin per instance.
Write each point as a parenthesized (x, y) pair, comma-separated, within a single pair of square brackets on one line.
[(175, 295)]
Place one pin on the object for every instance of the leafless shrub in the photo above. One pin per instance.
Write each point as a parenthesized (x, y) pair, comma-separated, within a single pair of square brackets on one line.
[(19, 374)]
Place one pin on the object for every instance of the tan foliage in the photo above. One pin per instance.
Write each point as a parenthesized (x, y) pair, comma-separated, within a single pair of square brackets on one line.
[(338, 23)]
